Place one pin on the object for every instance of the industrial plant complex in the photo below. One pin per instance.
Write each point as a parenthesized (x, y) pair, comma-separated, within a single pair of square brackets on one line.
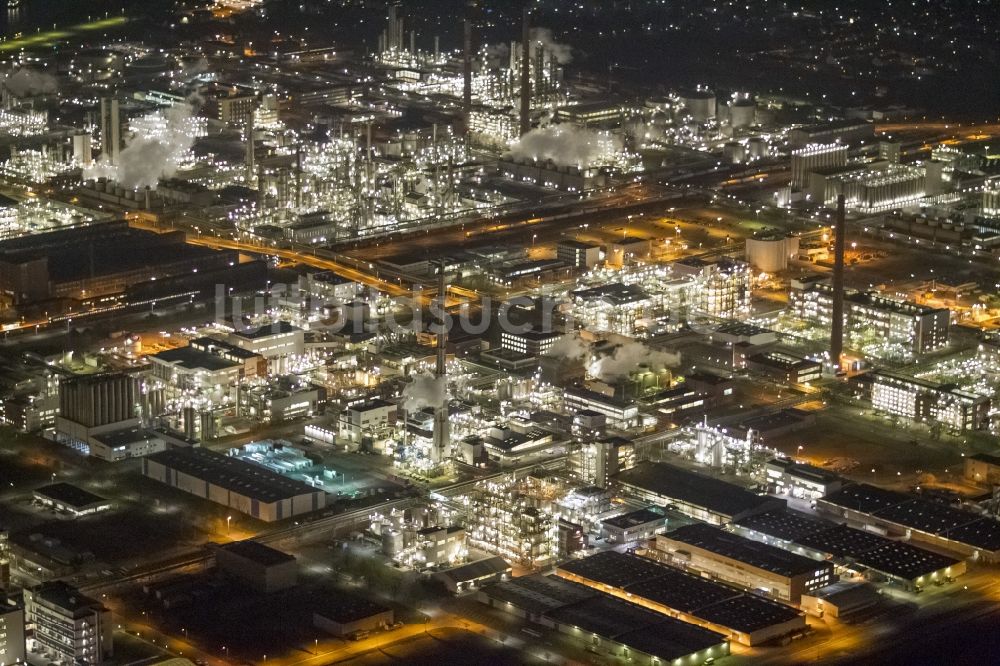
[(451, 331)]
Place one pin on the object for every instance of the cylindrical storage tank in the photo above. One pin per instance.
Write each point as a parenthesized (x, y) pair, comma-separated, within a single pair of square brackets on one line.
[(700, 104), (742, 113), (757, 148), (733, 152), (770, 254), (392, 542)]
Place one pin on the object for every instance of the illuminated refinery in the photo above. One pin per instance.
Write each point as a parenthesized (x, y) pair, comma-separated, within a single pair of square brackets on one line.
[(456, 331)]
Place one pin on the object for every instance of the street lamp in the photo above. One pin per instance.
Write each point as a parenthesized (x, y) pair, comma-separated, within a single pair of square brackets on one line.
[(229, 521)]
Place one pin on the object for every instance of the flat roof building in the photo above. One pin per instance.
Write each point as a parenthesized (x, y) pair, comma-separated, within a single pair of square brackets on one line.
[(242, 486), (863, 552), (696, 495), (969, 534), (70, 499), (69, 628), (753, 565), (787, 477), (605, 622), (261, 567), (634, 526), (746, 618)]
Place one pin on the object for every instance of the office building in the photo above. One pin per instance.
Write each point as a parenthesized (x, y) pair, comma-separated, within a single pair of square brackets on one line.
[(926, 401), (787, 477), (752, 565), (620, 413), (68, 627), (12, 643), (530, 343), (578, 254)]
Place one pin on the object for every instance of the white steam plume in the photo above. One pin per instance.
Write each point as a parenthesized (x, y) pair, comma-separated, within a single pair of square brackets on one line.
[(628, 357), (155, 151), (562, 53), (570, 347), (425, 390), (27, 81), (568, 145)]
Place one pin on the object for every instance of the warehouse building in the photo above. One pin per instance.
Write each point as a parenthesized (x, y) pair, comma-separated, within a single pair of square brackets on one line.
[(70, 499), (898, 514), (860, 552), (840, 599), (695, 495), (260, 567), (343, 615), (746, 618), (605, 623), (239, 485), (778, 573)]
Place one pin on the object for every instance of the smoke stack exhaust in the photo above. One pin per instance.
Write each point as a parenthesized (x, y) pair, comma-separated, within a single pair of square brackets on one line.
[(837, 325), (526, 72)]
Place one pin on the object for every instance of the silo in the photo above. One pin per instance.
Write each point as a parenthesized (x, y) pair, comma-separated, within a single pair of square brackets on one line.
[(756, 148), (700, 104), (392, 542), (742, 113), (733, 152)]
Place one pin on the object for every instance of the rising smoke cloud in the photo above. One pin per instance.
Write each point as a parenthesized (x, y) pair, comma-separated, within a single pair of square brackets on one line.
[(570, 347), (627, 358), (147, 158), (26, 81), (562, 53), (567, 145), (425, 390)]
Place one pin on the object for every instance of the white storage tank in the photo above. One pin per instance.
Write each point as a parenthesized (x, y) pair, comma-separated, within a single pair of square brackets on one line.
[(756, 148), (770, 254), (392, 542), (700, 104), (733, 152), (742, 113)]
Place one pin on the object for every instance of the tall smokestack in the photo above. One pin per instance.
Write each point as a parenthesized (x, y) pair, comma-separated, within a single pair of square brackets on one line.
[(526, 72), (250, 157), (467, 65), (442, 432), (837, 325)]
